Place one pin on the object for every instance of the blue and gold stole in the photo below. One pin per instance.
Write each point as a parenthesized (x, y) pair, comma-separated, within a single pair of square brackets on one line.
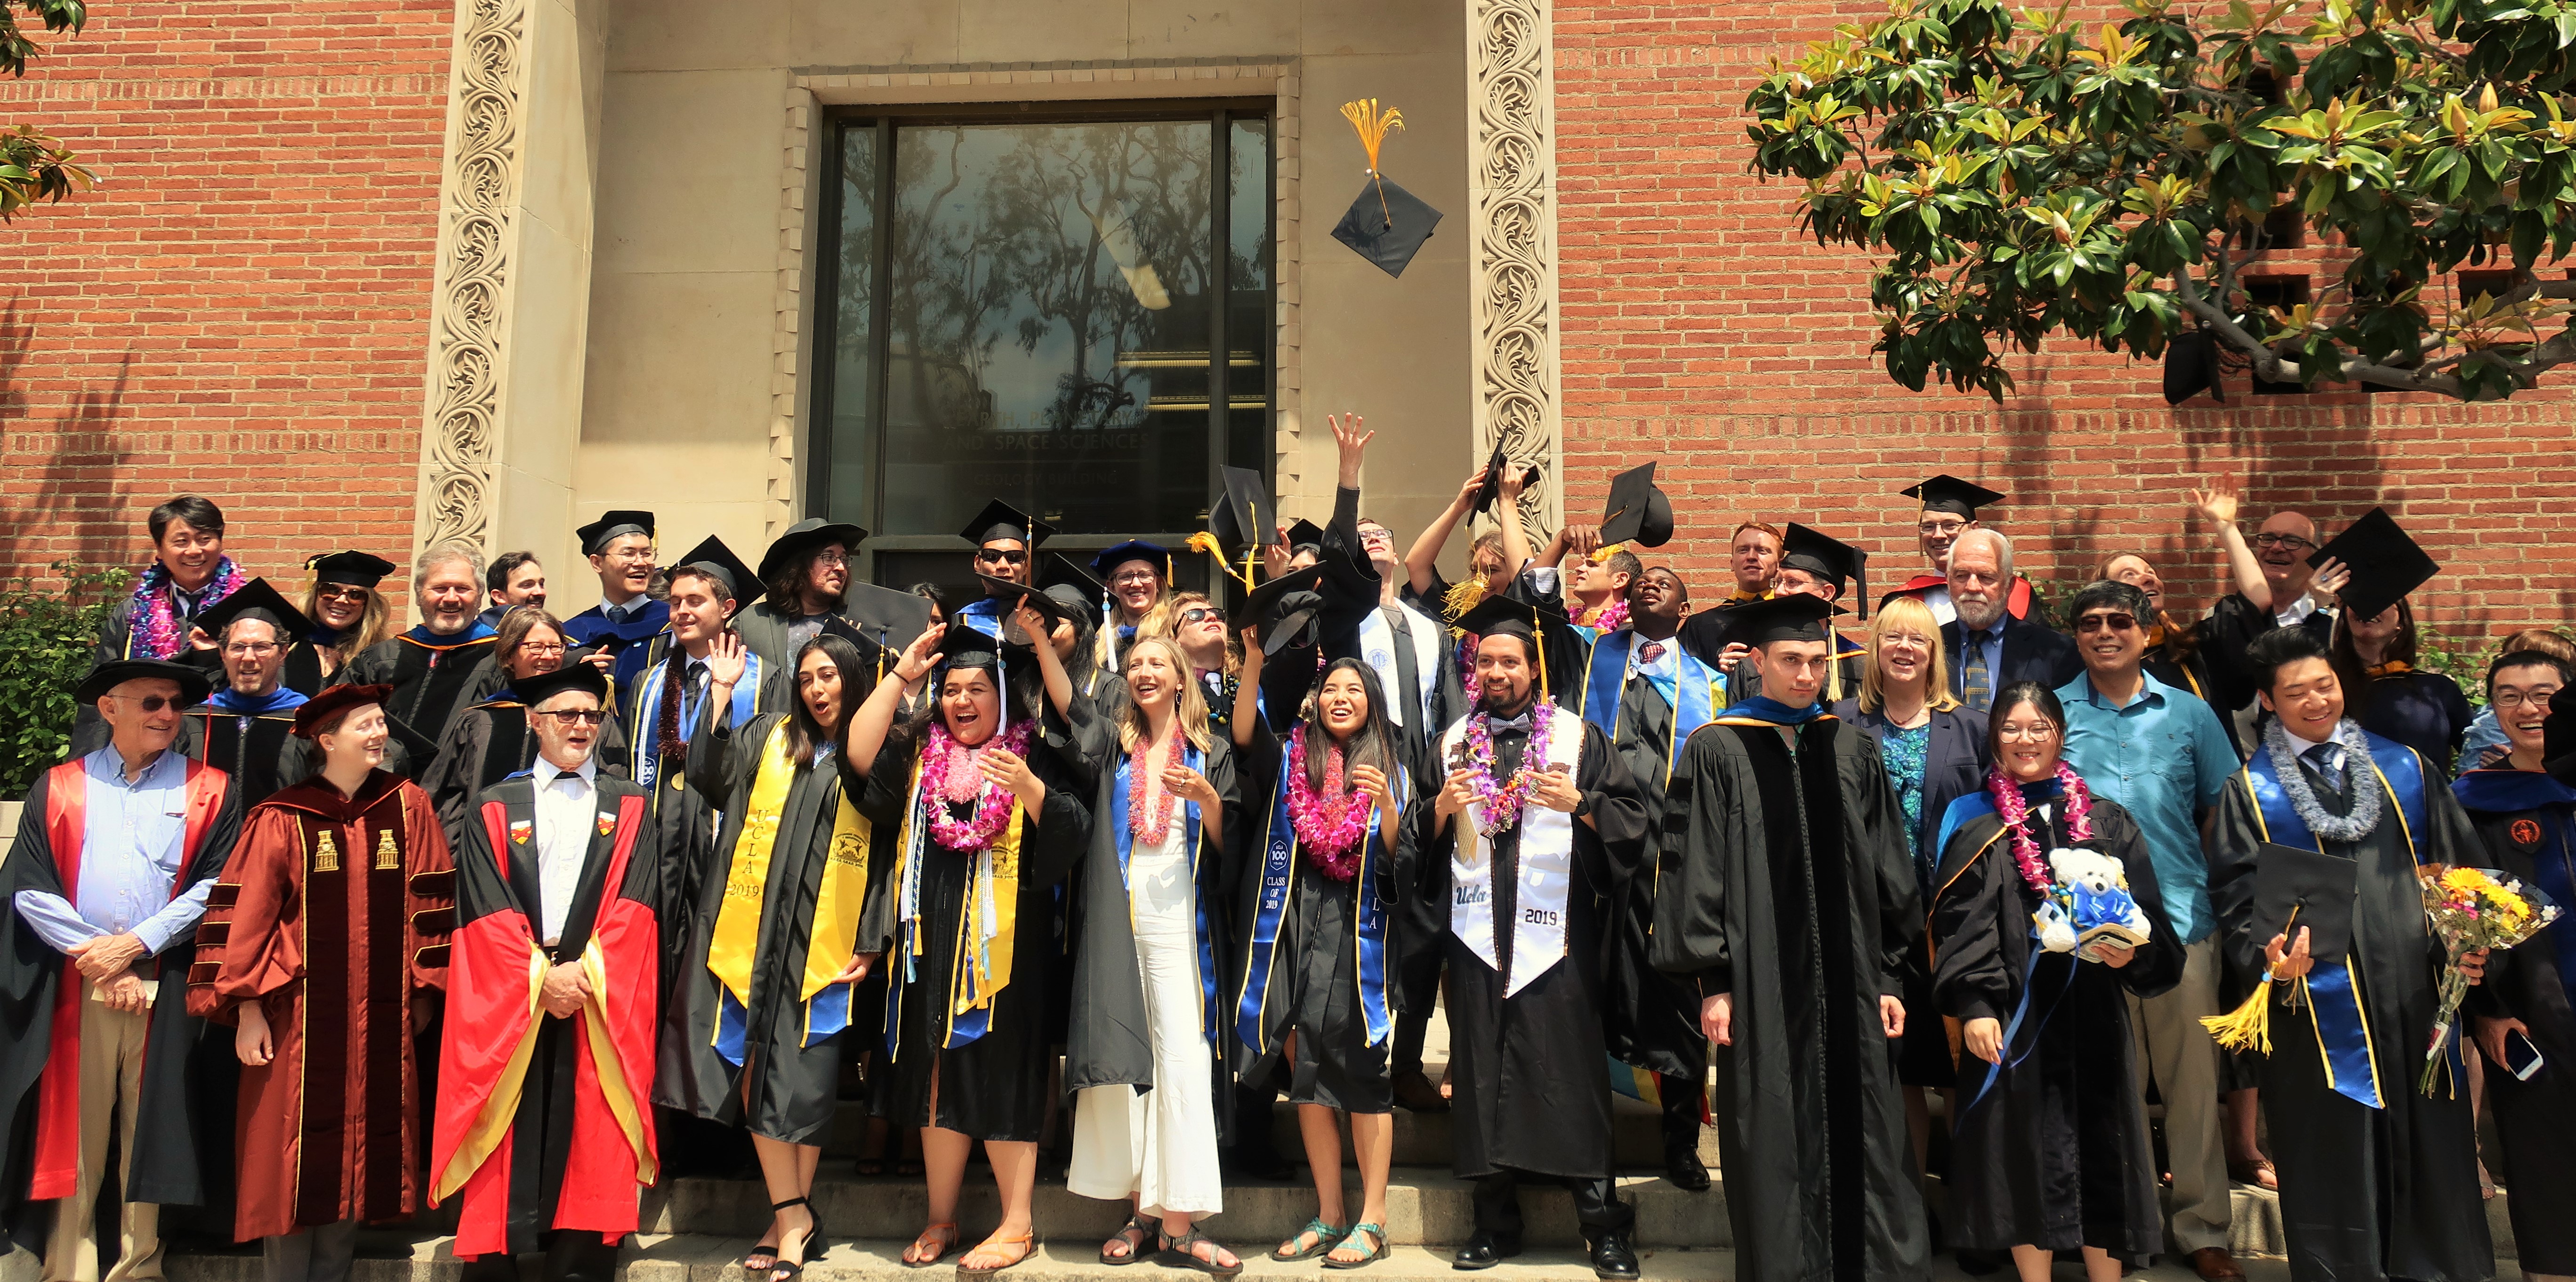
[(644, 716), (733, 944), (2344, 1036), (1209, 1021), (1692, 693), (1261, 971)]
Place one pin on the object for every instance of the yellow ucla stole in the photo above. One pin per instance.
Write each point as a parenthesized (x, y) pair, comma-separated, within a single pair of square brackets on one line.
[(834, 936), (987, 926)]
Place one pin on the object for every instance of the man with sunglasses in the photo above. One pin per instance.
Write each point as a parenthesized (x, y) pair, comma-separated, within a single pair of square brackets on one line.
[(2163, 755), (544, 1129), (2275, 588), (116, 853), (1005, 540)]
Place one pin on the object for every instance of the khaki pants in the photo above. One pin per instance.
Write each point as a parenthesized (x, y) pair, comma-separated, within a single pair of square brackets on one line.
[(2175, 1051), (111, 1089)]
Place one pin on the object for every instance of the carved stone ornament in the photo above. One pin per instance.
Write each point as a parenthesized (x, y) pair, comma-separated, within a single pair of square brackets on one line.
[(461, 431), (1511, 231)]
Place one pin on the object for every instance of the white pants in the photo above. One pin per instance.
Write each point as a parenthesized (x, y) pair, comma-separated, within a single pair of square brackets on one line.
[(1159, 1145)]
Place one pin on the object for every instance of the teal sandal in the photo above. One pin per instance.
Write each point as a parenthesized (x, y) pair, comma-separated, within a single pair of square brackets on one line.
[(1377, 1234), (1327, 1237)]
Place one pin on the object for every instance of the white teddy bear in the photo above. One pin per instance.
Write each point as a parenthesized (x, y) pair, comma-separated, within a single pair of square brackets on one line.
[(2096, 890)]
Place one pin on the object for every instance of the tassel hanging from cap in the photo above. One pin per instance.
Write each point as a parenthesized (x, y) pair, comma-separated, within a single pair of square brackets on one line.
[(1373, 126), (1206, 542), (2248, 1028)]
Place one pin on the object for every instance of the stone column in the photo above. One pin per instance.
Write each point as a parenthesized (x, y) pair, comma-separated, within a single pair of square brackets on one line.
[(1511, 238)]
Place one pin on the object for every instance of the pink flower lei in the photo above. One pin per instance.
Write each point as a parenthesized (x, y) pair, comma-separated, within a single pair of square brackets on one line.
[(1149, 829), (155, 625), (1502, 800), (1330, 825), (950, 773), (2014, 809), (1609, 618)]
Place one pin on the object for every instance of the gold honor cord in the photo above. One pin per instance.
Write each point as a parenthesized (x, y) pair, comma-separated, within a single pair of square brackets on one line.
[(1373, 126)]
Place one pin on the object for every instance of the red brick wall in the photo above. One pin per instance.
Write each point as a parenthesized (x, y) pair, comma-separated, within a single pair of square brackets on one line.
[(1701, 329), (241, 307)]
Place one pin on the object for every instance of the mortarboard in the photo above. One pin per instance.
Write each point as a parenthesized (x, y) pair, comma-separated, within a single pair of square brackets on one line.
[(965, 647), (1826, 557), (573, 675), (1303, 534), (2385, 564), (1511, 616), (349, 567), (712, 556), (1946, 493), (1062, 571), (803, 537), (328, 706), (255, 600), (194, 682), (887, 617), (1791, 616), (1386, 224), (1638, 512), (1117, 554), (1241, 513), (1009, 593), (1282, 609), (1492, 490), (2317, 887), (610, 525), (1000, 520), (2191, 367), (2558, 737)]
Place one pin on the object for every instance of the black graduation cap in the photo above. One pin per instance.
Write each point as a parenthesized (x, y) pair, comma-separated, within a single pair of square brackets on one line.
[(1303, 534), (2191, 367), (887, 616), (1493, 487), (803, 537), (1638, 512), (1386, 224), (356, 568), (2385, 564), (965, 647), (610, 525), (1284, 609), (1000, 520), (1241, 514), (257, 600), (2317, 886), (573, 675), (712, 556), (1062, 571), (1826, 557), (1946, 493), (1008, 593), (1791, 616), (1511, 616)]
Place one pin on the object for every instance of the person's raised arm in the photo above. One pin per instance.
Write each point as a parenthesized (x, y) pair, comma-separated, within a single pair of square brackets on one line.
[(875, 718), (1247, 705), (1344, 532), (1516, 547), (1421, 561), (1059, 685), (2217, 505)]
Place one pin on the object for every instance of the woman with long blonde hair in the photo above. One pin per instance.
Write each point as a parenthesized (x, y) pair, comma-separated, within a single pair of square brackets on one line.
[(349, 615), (1149, 1053)]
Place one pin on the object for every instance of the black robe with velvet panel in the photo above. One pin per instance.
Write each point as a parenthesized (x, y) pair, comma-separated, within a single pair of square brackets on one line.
[(1785, 881), (1654, 1016)]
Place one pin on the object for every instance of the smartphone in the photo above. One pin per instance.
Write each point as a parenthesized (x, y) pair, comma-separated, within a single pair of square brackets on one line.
[(2521, 1058)]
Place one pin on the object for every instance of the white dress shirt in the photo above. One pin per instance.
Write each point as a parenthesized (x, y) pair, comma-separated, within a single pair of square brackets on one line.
[(566, 807)]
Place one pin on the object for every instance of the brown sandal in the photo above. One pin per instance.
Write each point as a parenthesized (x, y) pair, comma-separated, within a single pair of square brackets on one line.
[(940, 1238), (1026, 1242), (2255, 1171)]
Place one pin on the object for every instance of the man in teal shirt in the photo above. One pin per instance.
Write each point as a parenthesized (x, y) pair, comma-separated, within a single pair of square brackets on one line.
[(2163, 755)]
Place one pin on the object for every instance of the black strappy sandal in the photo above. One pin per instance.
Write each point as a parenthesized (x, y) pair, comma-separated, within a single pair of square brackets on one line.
[(1183, 1251), (812, 1248), (1144, 1227)]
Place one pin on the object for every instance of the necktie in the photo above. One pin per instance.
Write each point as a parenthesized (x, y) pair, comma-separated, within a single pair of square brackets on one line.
[(1976, 687), (2328, 763), (1408, 679), (1650, 652), (697, 686)]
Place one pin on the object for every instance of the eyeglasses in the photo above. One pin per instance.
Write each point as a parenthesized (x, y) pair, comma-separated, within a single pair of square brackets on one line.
[(833, 560), (2291, 541), (1942, 528), (1196, 614), (542, 647), (1000, 557), (2509, 699), (633, 556), (2106, 622), (1133, 576), (147, 702), (2040, 733), (570, 717), (250, 649), (341, 592)]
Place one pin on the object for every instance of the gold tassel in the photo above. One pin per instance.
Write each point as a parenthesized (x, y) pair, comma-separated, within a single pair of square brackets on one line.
[(1206, 542), (1464, 596), (1373, 126), (2248, 1028)]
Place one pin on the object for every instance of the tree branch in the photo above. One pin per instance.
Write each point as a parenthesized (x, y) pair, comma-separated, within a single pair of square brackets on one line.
[(2275, 369)]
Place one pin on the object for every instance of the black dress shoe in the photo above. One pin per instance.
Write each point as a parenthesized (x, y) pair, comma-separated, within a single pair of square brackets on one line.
[(1415, 1092), (1485, 1250), (1683, 1167), (1614, 1259)]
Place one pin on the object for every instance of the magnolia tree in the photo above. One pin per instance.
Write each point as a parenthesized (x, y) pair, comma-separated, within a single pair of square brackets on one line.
[(33, 165), (2016, 174)]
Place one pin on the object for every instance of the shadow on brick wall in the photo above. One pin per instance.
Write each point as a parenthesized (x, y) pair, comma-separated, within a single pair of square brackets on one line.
[(63, 470)]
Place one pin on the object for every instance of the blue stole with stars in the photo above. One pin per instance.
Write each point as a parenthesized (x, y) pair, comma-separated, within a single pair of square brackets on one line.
[(1278, 884)]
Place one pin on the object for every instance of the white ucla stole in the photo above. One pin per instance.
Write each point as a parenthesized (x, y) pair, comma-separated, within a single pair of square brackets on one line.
[(1546, 865)]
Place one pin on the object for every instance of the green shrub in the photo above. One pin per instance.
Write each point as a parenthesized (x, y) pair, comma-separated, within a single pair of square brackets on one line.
[(46, 640)]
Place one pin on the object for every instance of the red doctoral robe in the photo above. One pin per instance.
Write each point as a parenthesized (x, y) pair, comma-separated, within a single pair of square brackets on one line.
[(329, 1129), (546, 1123)]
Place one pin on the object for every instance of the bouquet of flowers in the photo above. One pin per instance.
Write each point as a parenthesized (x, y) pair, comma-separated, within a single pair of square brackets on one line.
[(2470, 909)]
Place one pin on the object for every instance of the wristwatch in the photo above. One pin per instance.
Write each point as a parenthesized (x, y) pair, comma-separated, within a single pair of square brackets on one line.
[(1582, 804)]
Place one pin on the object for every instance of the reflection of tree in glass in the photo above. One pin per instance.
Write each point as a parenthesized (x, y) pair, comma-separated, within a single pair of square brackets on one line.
[(938, 332)]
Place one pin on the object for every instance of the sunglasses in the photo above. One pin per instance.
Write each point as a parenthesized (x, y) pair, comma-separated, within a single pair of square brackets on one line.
[(148, 702), (344, 592), (569, 717), (1000, 557), (2106, 622), (1197, 614), (2290, 541)]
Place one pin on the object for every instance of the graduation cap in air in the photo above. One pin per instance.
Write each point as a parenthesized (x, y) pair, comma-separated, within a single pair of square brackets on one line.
[(803, 537), (1386, 224), (356, 568), (2385, 564), (595, 536), (1492, 490), (1240, 514), (255, 600), (2191, 367), (1946, 493), (1638, 512), (718, 561), (1827, 558), (1000, 520), (574, 675), (1284, 610), (885, 617)]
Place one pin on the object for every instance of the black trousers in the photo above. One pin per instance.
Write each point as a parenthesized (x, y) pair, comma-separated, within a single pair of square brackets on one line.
[(1596, 1203), (571, 1256), (1418, 977)]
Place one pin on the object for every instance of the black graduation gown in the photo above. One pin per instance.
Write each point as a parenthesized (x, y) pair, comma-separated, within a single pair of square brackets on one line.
[(166, 1137), (1654, 1017), (788, 1085), (685, 817), (259, 750), (430, 681), (2365, 1193), (1316, 992), (1531, 1072), (994, 1087), (1785, 881), (1109, 1038), (2056, 1152), (2423, 710), (1954, 765)]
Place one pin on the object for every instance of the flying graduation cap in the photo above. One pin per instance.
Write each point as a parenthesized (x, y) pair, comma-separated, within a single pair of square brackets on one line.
[(1492, 490), (1387, 224), (2385, 564), (2191, 367), (1638, 513)]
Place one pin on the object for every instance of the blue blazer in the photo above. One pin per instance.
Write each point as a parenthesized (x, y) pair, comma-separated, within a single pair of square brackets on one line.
[(2031, 652)]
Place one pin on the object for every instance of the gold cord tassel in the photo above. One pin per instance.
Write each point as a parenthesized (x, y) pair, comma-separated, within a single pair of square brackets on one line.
[(1373, 126), (2248, 1028), (1206, 542), (1464, 596)]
